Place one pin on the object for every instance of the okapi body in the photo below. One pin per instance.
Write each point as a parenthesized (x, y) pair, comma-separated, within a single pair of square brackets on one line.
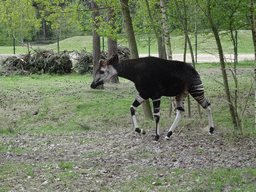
[(154, 78)]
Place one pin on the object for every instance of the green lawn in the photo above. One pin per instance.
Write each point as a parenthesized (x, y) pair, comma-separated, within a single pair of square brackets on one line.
[(206, 44), (60, 100), (58, 134)]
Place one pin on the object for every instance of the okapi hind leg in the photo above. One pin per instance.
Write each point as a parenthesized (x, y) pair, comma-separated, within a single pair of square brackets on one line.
[(197, 91), (180, 110), (133, 107), (156, 105), (175, 123)]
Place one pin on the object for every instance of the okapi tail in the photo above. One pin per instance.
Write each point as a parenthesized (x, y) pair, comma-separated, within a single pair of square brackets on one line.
[(197, 92)]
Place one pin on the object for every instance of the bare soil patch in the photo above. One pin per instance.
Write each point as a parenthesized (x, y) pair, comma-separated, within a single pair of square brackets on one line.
[(96, 159)]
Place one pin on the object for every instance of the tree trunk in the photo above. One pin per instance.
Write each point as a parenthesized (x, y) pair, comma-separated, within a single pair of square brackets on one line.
[(96, 41), (187, 40), (253, 28), (222, 63), (167, 41), (160, 43), (112, 49), (133, 47), (166, 33), (129, 29), (112, 44), (44, 29)]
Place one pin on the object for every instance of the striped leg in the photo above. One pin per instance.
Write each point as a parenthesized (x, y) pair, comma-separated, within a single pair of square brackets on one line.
[(180, 110), (210, 120), (156, 105), (133, 107), (197, 91)]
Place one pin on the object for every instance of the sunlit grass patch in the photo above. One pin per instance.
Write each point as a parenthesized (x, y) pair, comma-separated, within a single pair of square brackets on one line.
[(52, 103)]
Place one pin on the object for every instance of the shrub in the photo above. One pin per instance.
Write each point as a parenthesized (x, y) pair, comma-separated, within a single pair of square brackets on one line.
[(42, 60), (84, 59), (84, 62)]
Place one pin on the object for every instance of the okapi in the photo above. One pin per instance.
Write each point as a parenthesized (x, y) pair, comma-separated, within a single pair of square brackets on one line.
[(153, 78)]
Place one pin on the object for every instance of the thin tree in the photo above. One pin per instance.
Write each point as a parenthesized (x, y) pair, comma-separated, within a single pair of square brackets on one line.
[(160, 40), (253, 28), (208, 14), (184, 24), (167, 41), (96, 39), (112, 43), (133, 47), (166, 34)]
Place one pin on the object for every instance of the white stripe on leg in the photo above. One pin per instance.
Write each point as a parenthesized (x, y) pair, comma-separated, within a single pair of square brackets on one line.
[(175, 123)]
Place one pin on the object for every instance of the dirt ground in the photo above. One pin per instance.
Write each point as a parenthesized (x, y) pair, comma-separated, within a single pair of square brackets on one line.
[(114, 153), (90, 160)]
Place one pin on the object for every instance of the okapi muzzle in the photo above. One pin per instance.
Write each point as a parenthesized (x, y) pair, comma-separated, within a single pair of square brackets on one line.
[(103, 74)]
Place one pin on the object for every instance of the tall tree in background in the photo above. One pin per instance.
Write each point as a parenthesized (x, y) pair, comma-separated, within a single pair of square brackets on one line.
[(167, 41), (133, 47), (158, 33), (112, 43), (253, 28), (184, 23), (129, 28), (166, 34), (96, 39), (215, 31), (19, 17)]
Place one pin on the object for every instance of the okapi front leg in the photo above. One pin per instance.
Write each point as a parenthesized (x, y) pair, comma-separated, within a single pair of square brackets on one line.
[(133, 107), (156, 105), (209, 113)]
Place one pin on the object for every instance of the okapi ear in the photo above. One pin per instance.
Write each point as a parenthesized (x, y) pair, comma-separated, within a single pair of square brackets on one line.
[(113, 59), (101, 62)]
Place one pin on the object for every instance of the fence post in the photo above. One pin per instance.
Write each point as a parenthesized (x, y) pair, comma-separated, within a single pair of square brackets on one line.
[(235, 59), (103, 45), (148, 46), (58, 44), (13, 45), (196, 43)]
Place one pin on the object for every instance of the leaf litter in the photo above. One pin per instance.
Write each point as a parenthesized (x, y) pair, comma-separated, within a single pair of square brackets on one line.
[(103, 159)]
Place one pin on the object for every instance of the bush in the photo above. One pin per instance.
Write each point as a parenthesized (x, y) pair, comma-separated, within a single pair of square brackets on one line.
[(122, 51), (84, 62), (84, 59), (45, 61)]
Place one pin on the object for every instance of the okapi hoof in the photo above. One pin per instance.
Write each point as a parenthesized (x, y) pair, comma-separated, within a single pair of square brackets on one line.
[(168, 136), (211, 130), (140, 131), (156, 138)]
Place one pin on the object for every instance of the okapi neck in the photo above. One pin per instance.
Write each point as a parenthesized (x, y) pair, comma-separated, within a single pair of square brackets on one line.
[(125, 70)]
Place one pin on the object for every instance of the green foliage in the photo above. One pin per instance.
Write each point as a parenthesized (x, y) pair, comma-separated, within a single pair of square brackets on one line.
[(109, 22), (19, 17)]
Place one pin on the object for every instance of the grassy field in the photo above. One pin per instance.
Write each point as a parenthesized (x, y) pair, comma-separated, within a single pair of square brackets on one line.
[(206, 44), (57, 134)]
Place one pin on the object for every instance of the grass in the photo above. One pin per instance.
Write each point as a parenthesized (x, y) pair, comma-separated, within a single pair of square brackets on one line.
[(200, 180), (240, 64), (149, 178), (61, 111), (50, 104), (206, 44)]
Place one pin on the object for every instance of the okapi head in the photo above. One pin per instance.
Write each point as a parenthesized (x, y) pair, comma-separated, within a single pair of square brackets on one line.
[(105, 71)]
